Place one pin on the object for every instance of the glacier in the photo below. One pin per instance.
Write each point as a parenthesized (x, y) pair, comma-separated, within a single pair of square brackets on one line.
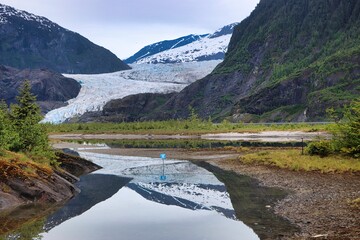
[(98, 89)]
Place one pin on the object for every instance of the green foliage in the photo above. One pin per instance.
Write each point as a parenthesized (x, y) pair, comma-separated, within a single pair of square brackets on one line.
[(322, 148), (179, 127), (187, 143), (20, 129), (9, 137), (347, 131), (310, 45)]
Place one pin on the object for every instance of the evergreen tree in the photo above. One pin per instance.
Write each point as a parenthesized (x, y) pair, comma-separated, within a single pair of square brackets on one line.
[(8, 136), (26, 116), (27, 109)]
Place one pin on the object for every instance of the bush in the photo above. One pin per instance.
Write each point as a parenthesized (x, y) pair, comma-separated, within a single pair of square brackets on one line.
[(347, 130), (322, 148), (20, 130)]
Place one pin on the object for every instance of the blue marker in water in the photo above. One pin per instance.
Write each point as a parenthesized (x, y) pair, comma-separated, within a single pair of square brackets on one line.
[(163, 157)]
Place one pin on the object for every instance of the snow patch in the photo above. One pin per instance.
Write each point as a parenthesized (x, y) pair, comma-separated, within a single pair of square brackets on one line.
[(6, 12)]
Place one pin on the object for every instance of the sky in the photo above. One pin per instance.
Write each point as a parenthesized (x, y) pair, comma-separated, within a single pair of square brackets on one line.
[(125, 26)]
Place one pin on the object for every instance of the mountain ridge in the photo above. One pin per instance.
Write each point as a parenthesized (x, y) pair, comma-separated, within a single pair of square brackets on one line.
[(51, 89), (288, 61), (30, 41), (163, 46), (190, 48)]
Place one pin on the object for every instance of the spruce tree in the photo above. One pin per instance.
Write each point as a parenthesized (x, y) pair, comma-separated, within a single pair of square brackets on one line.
[(26, 116)]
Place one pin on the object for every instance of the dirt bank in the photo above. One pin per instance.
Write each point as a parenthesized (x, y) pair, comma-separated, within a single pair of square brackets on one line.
[(25, 182)]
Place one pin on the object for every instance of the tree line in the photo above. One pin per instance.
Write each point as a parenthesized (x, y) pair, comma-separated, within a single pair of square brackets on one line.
[(20, 130)]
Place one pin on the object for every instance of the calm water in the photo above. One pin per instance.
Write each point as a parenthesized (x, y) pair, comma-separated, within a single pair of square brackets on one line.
[(127, 200), (190, 204)]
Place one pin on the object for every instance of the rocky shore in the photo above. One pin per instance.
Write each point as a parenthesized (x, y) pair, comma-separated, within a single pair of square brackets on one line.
[(319, 204), (44, 185)]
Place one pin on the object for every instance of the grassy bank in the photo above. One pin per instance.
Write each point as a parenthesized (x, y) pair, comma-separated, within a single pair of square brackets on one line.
[(19, 166), (181, 127), (292, 159)]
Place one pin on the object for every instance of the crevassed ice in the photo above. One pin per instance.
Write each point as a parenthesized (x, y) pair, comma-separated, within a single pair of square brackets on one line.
[(98, 89)]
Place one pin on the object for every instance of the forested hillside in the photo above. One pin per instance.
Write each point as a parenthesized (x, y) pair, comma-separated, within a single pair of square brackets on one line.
[(288, 61)]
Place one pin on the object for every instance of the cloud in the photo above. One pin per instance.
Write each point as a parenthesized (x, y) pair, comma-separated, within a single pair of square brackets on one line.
[(137, 20)]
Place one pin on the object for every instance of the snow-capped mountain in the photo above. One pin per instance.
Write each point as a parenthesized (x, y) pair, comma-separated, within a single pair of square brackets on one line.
[(30, 41), (7, 13), (198, 48), (163, 46), (98, 89)]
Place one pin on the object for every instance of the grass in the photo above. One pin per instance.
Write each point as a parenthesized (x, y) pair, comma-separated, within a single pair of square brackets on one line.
[(355, 203), (292, 159), (186, 144), (18, 165), (191, 127)]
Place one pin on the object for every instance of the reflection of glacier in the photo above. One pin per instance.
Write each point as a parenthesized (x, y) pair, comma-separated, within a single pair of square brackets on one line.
[(187, 185)]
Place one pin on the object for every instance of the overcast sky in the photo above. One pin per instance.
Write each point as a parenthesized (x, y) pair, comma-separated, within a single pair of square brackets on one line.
[(125, 26)]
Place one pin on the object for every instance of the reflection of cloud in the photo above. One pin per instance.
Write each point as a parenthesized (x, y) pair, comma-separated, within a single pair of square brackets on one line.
[(94, 188)]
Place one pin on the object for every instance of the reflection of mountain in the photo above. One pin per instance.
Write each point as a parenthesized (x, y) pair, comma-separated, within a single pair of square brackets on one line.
[(190, 196), (95, 188), (187, 185)]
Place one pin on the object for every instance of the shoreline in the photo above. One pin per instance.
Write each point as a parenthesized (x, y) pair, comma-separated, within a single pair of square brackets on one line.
[(264, 136), (318, 204)]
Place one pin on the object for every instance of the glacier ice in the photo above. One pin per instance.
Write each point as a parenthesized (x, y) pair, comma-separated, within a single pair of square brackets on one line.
[(98, 89)]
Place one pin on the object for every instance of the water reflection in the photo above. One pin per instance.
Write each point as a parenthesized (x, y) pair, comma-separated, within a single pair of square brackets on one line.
[(191, 204), (95, 188)]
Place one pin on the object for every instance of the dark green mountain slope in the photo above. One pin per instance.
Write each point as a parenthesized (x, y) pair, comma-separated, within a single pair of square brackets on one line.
[(30, 41), (289, 60)]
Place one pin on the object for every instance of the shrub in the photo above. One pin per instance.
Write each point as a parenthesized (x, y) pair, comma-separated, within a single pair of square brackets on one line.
[(347, 130), (322, 148)]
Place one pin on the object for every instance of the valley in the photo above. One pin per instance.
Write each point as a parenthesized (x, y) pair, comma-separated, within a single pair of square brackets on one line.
[(97, 90), (251, 131)]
